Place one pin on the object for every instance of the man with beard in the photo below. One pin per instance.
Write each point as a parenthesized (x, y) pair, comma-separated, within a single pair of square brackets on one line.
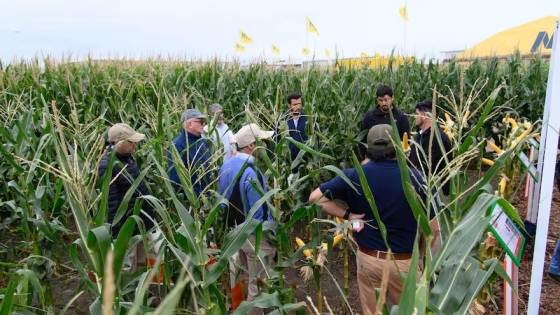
[(420, 158), (380, 115)]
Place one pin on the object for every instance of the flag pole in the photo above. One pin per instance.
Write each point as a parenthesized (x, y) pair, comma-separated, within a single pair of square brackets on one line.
[(406, 11)]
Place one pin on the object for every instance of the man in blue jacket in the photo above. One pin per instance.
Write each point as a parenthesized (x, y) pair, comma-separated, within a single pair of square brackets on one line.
[(296, 121), (194, 151), (237, 180)]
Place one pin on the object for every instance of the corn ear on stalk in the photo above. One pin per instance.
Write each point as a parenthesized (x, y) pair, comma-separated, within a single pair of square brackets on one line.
[(503, 186), (405, 141), (466, 117), (337, 239), (495, 147), (487, 162), (300, 243)]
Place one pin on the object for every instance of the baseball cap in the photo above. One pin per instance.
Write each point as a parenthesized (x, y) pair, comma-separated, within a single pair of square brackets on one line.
[(379, 137), (190, 114), (121, 132), (249, 134)]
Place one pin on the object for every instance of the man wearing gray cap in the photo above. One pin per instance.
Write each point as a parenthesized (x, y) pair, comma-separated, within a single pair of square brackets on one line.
[(123, 140), (194, 151), (383, 176)]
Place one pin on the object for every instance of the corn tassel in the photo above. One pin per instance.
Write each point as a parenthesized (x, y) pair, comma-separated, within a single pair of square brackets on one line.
[(487, 162), (405, 141), (300, 243), (495, 147)]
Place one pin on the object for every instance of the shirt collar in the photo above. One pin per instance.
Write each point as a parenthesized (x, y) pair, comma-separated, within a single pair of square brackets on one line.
[(246, 157)]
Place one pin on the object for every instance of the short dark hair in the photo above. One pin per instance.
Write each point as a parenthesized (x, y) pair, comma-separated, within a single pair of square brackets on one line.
[(383, 90), (425, 106), (293, 96), (381, 154)]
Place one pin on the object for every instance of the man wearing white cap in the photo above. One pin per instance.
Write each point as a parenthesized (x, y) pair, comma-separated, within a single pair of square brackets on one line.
[(194, 151), (236, 179), (123, 140)]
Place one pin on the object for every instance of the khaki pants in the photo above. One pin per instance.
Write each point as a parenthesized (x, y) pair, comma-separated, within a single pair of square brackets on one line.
[(370, 272), (138, 257), (249, 261)]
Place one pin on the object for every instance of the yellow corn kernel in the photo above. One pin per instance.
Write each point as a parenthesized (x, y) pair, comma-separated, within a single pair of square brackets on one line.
[(300, 243), (502, 186), (337, 239), (405, 141), (487, 162), (339, 220), (494, 147)]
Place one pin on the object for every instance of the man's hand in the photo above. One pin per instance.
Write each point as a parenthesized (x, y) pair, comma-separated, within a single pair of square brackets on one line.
[(365, 161), (358, 225)]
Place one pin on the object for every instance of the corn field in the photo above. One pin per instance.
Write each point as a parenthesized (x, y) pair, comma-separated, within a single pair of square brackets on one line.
[(54, 121)]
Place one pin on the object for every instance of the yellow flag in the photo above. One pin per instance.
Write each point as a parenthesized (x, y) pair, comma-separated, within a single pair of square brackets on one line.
[(239, 48), (310, 27), (328, 53), (305, 51), (244, 38), (364, 55), (404, 13), (275, 50)]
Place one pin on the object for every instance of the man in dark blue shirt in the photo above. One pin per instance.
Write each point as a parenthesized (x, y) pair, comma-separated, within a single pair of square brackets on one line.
[(297, 122), (194, 151), (383, 177)]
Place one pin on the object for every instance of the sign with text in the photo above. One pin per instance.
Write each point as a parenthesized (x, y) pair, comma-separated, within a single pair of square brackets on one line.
[(507, 234)]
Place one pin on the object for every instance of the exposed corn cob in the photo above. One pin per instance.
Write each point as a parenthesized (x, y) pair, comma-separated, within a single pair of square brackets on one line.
[(466, 117), (502, 186), (487, 162), (447, 118), (337, 239), (512, 122), (300, 243), (405, 141), (495, 147)]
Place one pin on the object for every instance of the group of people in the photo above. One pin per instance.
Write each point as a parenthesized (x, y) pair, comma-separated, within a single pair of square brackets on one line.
[(242, 183)]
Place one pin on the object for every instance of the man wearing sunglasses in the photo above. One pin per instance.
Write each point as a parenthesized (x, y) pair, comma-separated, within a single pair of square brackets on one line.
[(194, 152)]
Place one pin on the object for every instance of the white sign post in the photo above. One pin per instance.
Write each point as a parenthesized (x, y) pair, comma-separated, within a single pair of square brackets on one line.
[(546, 166)]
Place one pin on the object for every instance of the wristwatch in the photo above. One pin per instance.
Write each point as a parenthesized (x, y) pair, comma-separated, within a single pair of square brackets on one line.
[(347, 214)]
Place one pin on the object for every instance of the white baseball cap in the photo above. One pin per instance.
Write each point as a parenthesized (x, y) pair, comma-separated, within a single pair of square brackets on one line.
[(249, 134)]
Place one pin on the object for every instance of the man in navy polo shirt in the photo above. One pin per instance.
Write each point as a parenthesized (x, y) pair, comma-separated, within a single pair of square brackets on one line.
[(384, 179)]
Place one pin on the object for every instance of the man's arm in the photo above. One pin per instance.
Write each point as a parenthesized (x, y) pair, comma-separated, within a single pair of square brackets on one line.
[(332, 208)]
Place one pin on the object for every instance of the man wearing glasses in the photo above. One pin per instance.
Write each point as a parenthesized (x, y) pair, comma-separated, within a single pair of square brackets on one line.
[(380, 115), (194, 151)]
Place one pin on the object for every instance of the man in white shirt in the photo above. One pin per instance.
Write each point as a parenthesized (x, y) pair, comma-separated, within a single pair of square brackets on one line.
[(220, 133)]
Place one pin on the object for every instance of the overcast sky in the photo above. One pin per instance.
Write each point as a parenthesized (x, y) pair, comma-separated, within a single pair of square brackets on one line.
[(137, 28)]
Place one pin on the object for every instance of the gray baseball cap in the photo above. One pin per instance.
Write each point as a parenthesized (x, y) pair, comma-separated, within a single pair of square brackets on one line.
[(190, 114), (379, 137)]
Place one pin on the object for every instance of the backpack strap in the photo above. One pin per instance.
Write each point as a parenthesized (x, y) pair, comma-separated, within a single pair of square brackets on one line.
[(234, 213)]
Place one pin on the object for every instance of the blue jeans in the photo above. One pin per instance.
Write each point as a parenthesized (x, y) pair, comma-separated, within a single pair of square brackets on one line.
[(555, 261)]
